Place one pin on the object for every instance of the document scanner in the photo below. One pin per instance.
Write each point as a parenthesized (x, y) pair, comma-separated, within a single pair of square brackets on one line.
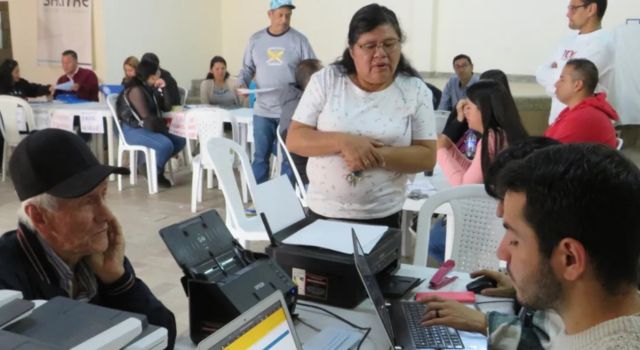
[(13, 341), (70, 324), (221, 278)]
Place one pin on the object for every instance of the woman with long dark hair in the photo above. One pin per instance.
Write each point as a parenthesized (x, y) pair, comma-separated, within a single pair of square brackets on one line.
[(365, 122), (491, 112), (12, 84), (140, 108), (456, 127), (219, 87)]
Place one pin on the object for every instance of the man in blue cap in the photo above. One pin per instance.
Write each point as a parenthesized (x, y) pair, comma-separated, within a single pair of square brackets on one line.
[(272, 56)]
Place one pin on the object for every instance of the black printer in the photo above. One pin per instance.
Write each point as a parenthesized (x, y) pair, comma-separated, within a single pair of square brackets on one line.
[(221, 278), (327, 276)]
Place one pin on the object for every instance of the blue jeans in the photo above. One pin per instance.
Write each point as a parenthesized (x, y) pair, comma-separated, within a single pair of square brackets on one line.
[(264, 137), (437, 240), (165, 145)]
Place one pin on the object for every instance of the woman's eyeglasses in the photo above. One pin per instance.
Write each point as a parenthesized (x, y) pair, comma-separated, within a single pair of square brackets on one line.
[(388, 46)]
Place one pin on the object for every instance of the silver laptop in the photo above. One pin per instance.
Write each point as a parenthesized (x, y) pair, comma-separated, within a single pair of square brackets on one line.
[(267, 325), (401, 318)]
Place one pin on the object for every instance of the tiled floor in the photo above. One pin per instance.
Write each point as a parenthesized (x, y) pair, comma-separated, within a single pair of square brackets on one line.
[(141, 216)]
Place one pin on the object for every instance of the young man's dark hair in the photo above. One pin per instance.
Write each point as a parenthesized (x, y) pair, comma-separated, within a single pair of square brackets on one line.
[(70, 53), (602, 6), (150, 56), (586, 71), (460, 56), (587, 192), (517, 151)]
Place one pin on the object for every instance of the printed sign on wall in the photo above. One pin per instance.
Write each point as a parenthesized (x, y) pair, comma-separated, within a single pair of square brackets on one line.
[(64, 25)]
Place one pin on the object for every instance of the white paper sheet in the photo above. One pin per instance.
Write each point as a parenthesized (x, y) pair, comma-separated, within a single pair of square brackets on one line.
[(421, 185), (333, 337), (65, 86), (91, 122), (62, 120), (336, 235)]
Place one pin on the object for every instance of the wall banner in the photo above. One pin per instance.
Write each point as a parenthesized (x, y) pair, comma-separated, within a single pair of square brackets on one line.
[(64, 25)]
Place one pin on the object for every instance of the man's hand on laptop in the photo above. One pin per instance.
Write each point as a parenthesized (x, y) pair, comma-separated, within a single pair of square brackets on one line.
[(453, 314)]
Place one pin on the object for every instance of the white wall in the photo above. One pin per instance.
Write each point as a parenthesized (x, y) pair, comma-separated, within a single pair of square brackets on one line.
[(23, 18), (184, 35), (325, 23), (514, 35)]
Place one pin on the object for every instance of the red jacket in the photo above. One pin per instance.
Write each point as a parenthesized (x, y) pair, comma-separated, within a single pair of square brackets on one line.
[(589, 121), (88, 82)]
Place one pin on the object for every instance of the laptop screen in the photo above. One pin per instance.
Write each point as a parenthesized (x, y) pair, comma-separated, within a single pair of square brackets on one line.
[(371, 285), (267, 325)]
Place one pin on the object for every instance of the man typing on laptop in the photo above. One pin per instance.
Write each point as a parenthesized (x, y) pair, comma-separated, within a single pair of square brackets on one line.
[(566, 250)]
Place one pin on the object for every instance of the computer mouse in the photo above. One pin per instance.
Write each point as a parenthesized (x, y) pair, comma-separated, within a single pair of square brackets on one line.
[(481, 283)]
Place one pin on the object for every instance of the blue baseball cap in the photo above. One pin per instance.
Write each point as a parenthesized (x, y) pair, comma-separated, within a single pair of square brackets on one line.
[(276, 4)]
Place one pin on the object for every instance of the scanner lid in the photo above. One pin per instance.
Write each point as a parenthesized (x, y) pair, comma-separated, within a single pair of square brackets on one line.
[(200, 240)]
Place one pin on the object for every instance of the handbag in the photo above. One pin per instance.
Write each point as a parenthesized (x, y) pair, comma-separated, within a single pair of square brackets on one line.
[(156, 124)]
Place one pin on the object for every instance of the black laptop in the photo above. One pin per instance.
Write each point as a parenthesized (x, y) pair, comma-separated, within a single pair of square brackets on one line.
[(401, 318)]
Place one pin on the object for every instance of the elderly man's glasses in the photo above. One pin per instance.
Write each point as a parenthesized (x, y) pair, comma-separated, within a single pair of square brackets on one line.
[(389, 46), (573, 9)]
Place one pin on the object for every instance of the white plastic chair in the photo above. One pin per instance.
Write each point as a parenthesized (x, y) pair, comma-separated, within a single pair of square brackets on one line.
[(289, 209), (242, 227), (619, 143), (9, 125), (123, 146), (441, 117), (276, 162), (301, 192), (476, 233), (187, 155), (184, 94), (210, 124)]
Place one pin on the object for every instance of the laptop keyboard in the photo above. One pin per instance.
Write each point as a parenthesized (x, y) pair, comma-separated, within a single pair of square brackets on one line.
[(435, 337)]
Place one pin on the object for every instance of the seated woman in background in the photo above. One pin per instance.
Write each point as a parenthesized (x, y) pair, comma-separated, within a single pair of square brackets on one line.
[(12, 84), (219, 87), (365, 122), (490, 111), (457, 128), (129, 66), (140, 108)]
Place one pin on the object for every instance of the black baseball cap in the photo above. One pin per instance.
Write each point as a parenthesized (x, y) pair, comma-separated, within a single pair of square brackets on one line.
[(56, 162)]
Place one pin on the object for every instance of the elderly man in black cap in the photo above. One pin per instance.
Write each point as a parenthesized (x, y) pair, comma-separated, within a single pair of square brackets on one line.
[(68, 243)]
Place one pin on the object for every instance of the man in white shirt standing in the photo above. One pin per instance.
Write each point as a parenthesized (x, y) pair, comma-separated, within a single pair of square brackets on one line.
[(590, 42)]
